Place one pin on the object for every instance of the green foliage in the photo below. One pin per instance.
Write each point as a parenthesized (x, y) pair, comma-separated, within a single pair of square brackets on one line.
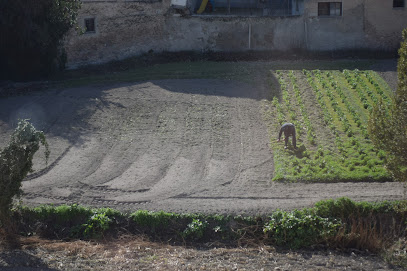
[(344, 208), (245, 220), (72, 220), (153, 220), (195, 229), (32, 33), (167, 223), (340, 208), (340, 222), (365, 225), (337, 223), (388, 123), (99, 222), (63, 214), (299, 228), (96, 225), (16, 162)]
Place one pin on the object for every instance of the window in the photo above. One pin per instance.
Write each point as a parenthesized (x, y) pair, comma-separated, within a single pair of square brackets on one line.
[(398, 3), (330, 9), (89, 25)]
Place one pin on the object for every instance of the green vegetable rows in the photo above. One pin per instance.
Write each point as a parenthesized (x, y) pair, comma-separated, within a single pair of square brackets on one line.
[(330, 110)]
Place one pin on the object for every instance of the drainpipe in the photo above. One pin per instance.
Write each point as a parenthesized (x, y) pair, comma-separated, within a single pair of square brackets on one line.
[(250, 36), (306, 33)]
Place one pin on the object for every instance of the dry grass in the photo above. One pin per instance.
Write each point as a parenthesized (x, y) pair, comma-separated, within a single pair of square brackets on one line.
[(372, 233), (138, 253), (397, 253), (361, 235)]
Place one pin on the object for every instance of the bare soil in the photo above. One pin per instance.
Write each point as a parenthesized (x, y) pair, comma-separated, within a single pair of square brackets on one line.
[(190, 145)]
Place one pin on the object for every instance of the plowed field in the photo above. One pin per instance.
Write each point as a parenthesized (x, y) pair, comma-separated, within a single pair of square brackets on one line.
[(181, 145)]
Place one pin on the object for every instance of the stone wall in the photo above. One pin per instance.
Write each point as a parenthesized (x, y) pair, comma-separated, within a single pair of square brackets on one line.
[(325, 33), (125, 28), (364, 24), (383, 24), (234, 34)]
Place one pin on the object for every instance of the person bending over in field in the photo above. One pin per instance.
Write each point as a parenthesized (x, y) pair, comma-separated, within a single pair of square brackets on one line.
[(289, 130)]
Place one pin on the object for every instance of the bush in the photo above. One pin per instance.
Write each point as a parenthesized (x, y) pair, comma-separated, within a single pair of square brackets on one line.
[(388, 124), (299, 228), (16, 162), (345, 209), (340, 208), (62, 215), (365, 225), (154, 221), (195, 229), (68, 221), (96, 225)]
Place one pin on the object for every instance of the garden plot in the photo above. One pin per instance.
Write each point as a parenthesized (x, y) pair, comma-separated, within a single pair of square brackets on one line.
[(330, 110)]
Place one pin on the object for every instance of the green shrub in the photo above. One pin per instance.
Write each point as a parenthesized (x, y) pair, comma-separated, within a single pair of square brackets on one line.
[(153, 220), (345, 208), (195, 229), (299, 228), (99, 222), (16, 162), (63, 214), (70, 220), (109, 212), (388, 124), (340, 208), (96, 225)]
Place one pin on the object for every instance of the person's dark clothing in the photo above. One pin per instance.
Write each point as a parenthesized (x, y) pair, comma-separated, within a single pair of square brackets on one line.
[(289, 130)]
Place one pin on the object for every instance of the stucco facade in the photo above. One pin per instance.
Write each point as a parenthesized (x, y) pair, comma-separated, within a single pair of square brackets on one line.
[(124, 28)]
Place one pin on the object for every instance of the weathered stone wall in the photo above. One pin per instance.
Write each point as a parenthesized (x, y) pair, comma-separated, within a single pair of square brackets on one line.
[(126, 28), (325, 33), (364, 24), (383, 24), (234, 34), (123, 29)]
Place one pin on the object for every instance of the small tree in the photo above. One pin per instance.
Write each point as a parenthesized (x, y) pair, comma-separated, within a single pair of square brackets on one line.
[(16, 163), (388, 124)]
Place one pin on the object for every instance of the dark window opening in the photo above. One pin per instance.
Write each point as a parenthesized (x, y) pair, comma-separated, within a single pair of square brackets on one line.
[(398, 3), (90, 25), (330, 9)]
